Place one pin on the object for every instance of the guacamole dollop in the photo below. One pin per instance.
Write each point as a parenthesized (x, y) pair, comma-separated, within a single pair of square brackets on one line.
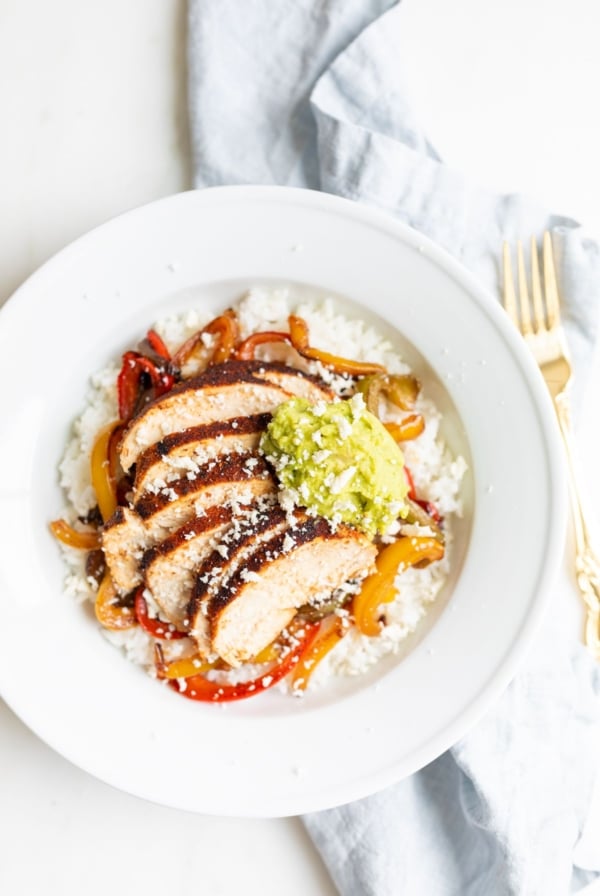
[(339, 461)]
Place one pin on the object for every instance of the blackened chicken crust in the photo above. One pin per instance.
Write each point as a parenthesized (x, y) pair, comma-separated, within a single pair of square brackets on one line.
[(230, 468), (220, 437)]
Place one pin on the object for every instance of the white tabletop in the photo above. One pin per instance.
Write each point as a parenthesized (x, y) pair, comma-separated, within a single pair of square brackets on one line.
[(92, 105)]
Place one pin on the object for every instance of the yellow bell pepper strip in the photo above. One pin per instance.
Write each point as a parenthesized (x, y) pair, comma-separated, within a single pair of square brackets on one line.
[(378, 588), (409, 428), (102, 479), (401, 389), (74, 538), (183, 668), (109, 612), (300, 340), (268, 654), (166, 631), (246, 350), (330, 633), (226, 330), (202, 689)]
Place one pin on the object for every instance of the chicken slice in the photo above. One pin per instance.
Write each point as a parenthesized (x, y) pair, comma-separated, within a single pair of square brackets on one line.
[(183, 452), (235, 479), (303, 563), (240, 540), (222, 392), (169, 567)]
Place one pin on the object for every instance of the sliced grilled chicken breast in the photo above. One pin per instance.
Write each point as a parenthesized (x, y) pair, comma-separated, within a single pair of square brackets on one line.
[(298, 565), (168, 568), (240, 540), (221, 392), (236, 478), (123, 540), (183, 452)]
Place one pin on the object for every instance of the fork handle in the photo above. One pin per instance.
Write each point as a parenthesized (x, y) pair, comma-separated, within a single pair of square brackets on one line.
[(587, 564)]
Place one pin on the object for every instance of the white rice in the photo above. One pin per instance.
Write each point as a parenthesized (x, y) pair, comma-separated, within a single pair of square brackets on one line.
[(436, 473)]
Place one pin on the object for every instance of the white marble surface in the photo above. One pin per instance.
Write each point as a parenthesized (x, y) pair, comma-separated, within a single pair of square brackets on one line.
[(92, 112)]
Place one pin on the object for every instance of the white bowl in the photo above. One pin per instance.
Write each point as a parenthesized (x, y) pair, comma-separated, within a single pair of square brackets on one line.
[(274, 755)]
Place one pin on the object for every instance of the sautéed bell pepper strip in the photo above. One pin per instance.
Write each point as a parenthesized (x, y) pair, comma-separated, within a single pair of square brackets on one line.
[(226, 331), (154, 626), (299, 336), (402, 389), (199, 688), (409, 428), (330, 633), (74, 538), (378, 588), (157, 345), (182, 668), (428, 506), (103, 482), (109, 613), (246, 350), (129, 381)]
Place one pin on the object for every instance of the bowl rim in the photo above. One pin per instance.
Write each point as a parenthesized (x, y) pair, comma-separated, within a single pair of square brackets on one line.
[(492, 309)]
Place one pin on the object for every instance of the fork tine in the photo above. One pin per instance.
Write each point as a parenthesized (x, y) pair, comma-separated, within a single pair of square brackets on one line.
[(526, 328), (510, 299), (552, 301), (539, 318)]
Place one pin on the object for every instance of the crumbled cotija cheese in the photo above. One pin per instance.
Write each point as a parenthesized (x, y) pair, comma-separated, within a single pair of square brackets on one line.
[(436, 473)]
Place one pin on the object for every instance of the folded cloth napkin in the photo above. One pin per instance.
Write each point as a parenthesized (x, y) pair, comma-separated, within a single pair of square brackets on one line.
[(309, 93)]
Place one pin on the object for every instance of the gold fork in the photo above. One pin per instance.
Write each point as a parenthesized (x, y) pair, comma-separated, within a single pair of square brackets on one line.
[(538, 319)]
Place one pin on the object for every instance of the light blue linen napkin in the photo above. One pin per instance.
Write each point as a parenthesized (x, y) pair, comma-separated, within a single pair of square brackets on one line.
[(308, 93)]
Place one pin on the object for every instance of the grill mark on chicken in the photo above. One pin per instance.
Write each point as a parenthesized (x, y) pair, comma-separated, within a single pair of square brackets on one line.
[(253, 386), (237, 435)]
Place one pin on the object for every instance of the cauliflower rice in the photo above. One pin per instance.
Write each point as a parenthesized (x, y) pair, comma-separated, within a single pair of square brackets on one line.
[(437, 475)]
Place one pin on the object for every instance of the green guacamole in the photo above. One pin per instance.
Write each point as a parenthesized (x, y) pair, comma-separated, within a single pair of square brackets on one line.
[(337, 459)]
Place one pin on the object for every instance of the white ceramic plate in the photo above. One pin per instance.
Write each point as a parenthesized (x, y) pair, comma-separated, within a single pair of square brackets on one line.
[(271, 756)]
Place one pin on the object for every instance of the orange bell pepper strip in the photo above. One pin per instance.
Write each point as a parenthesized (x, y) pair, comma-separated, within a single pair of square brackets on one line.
[(154, 626), (202, 689), (74, 538), (102, 476), (108, 612), (330, 633), (227, 332), (409, 428), (378, 588), (246, 350), (299, 336)]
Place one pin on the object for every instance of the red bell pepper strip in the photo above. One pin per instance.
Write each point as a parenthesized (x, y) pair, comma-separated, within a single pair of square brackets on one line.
[(427, 506), (157, 345), (197, 687), (246, 349), (155, 627), (128, 382)]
